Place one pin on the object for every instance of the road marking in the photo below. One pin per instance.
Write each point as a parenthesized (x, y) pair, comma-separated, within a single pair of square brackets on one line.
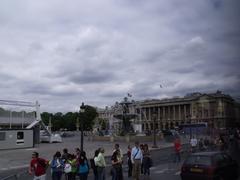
[(177, 173), (161, 171), (14, 167), (31, 149)]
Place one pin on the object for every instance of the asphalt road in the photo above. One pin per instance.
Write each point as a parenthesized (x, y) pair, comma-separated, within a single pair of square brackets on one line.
[(162, 166)]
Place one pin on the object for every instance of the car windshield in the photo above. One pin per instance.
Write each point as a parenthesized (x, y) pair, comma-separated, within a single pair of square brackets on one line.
[(200, 160)]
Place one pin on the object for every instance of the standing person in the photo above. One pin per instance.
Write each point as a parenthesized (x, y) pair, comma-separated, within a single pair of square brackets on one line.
[(101, 165), (65, 154), (136, 158), (141, 147), (72, 163), (116, 162), (201, 145), (117, 147), (38, 167), (65, 157), (146, 160), (78, 151), (117, 173), (93, 165), (193, 143), (57, 165), (129, 161), (83, 167), (177, 149)]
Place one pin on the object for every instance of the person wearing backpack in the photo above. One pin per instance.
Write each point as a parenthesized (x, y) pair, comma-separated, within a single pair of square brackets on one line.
[(70, 167), (146, 160), (57, 165), (117, 173), (38, 167), (101, 164), (83, 167), (93, 165)]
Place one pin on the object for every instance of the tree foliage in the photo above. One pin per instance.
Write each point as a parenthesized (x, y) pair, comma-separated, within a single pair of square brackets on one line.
[(69, 120)]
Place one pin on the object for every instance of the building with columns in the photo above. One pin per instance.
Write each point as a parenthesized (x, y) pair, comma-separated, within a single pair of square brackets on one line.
[(218, 110)]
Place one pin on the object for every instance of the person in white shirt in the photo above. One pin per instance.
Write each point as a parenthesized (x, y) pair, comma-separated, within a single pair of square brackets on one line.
[(101, 164), (193, 143), (136, 158)]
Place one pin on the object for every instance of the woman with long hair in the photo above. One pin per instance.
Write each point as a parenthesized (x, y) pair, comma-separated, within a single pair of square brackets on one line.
[(117, 173), (83, 167), (146, 160), (57, 165)]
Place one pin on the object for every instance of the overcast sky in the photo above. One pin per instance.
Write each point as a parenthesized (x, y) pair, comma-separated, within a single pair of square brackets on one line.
[(62, 53)]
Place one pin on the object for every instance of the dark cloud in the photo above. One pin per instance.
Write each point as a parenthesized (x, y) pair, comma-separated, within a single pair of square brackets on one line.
[(64, 53), (217, 4), (91, 76)]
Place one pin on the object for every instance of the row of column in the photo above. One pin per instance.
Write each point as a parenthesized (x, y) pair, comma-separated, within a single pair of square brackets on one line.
[(160, 126), (166, 116), (166, 113)]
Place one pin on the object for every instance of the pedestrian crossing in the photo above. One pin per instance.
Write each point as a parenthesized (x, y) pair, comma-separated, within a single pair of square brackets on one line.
[(172, 168)]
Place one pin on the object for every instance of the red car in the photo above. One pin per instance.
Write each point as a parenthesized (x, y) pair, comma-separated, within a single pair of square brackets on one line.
[(209, 166)]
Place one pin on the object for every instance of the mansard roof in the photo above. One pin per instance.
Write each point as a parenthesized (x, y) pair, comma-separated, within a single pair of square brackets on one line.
[(187, 98)]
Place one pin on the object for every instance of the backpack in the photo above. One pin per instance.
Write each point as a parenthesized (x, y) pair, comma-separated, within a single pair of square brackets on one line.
[(83, 168), (92, 163), (67, 168)]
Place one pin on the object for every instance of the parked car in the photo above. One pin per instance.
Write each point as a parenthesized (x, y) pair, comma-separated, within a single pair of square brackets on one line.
[(50, 138), (209, 166)]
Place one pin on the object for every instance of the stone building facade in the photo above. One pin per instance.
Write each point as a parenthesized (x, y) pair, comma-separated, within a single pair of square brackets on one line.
[(218, 110)]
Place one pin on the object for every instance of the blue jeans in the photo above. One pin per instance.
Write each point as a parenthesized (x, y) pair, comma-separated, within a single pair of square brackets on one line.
[(117, 173), (101, 173), (83, 176), (177, 158), (56, 175)]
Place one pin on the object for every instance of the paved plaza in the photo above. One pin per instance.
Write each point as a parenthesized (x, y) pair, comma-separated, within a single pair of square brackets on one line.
[(20, 158)]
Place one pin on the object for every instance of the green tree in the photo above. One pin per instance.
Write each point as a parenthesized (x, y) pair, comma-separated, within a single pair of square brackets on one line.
[(58, 121), (70, 120), (88, 117), (45, 117)]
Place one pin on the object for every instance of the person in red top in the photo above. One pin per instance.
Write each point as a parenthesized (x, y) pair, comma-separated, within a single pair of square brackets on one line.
[(177, 148), (38, 167)]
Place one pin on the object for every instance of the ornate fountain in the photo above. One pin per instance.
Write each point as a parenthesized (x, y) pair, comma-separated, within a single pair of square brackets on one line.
[(125, 116)]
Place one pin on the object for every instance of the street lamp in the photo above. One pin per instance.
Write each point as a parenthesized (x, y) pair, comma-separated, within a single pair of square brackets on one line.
[(154, 130), (82, 110)]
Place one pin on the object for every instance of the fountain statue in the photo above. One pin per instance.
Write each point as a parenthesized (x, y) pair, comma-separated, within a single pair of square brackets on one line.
[(125, 116)]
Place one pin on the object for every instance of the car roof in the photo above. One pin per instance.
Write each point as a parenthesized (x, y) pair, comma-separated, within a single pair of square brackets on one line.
[(208, 153)]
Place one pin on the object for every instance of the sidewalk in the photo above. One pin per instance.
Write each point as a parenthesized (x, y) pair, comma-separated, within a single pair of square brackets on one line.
[(20, 158)]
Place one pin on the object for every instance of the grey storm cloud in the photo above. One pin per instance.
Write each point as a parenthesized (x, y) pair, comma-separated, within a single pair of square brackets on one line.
[(91, 76), (96, 52)]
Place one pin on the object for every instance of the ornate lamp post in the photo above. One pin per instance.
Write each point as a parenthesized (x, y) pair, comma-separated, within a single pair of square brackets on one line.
[(154, 129), (81, 112)]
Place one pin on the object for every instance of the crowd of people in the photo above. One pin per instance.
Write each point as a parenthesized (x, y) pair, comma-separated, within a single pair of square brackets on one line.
[(69, 166), (76, 165), (225, 141)]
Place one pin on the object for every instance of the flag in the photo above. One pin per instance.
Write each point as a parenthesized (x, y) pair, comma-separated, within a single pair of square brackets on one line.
[(129, 95)]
